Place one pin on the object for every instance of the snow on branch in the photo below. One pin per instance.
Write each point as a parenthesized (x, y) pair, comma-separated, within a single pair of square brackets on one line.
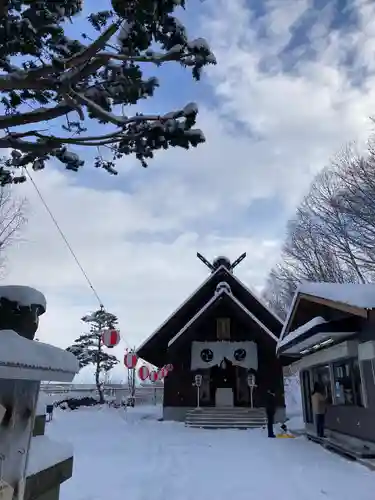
[(77, 81)]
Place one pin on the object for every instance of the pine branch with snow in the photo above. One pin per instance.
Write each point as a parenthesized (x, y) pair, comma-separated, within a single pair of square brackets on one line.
[(88, 347), (92, 78)]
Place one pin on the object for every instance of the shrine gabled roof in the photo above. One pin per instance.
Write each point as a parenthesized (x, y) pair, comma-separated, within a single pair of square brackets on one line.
[(210, 304), (159, 339)]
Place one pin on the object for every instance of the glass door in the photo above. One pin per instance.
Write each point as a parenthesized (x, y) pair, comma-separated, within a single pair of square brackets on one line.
[(306, 391)]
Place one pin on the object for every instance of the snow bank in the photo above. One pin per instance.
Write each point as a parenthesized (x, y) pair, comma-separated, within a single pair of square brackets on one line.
[(45, 453), (143, 412), (24, 295), (18, 352)]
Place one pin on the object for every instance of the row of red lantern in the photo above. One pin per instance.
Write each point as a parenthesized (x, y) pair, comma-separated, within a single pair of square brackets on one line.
[(111, 338), (130, 360), (145, 373)]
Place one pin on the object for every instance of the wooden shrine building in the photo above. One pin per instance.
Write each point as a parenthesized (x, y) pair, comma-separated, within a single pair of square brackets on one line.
[(224, 333)]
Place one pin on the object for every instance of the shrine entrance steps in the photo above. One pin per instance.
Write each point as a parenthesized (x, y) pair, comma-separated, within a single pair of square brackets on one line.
[(226, 418)]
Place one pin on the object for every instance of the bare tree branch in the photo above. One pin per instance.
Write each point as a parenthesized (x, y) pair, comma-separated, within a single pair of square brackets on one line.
[(12, 220), (332, 236)]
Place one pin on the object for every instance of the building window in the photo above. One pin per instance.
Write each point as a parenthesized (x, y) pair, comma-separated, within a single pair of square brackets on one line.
[(347, 380), (322, 375), (223, 328)]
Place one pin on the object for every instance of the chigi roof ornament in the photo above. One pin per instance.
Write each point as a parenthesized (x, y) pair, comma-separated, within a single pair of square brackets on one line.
[(221, 261)]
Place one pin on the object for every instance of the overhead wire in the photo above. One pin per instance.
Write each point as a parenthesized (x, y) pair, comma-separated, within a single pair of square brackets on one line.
[(65, 239), (68, 245)]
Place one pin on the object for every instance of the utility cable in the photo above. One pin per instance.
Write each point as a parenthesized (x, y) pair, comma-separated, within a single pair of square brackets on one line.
[(64, 239)]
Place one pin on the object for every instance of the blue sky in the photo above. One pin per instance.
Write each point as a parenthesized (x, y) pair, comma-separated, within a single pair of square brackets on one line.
[(295, 81)]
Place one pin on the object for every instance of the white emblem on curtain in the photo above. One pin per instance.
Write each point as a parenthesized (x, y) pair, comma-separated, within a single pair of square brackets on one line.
[(221, 350)]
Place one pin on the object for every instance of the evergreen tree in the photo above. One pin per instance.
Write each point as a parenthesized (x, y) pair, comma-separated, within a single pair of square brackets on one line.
[(88, 348), (48, 77)]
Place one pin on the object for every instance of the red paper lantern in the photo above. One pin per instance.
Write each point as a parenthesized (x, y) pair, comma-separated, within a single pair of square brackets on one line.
[(169, 367), (153, 376), (143, 373), (162, 373), (110, 338), (130, 360)]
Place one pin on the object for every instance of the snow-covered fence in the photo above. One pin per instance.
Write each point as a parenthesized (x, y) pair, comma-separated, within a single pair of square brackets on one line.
[(144, 395)]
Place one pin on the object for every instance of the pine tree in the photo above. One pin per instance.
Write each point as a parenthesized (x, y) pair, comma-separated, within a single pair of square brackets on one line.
[(88, 348), (47, 77)]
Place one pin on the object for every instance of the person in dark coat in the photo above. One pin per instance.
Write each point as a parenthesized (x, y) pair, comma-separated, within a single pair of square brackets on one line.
[(270, 410)]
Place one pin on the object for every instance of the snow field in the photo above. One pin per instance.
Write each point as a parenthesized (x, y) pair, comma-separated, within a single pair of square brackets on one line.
[(131, 454)]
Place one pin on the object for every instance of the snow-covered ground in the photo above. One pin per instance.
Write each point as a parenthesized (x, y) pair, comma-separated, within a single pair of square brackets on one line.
[(132, 455)]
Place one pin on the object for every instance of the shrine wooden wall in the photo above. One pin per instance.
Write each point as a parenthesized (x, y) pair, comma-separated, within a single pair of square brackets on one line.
[(178, 386)]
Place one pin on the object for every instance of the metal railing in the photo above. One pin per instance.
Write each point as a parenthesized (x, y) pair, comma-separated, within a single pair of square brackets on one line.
[(143, 394)]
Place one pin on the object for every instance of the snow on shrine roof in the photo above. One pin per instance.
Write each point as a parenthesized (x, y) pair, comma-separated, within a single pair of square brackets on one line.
[(24, 295), (179, 308), (258, 298), (300, 330), (352, 294), (21, 358), (209, 278), (221, 293)]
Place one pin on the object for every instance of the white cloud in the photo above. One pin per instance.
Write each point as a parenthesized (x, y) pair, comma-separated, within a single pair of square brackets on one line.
[(141, 279), (268, 133), (301, 116)]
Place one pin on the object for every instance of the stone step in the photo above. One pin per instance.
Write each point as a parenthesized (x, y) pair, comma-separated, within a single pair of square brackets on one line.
[(228, 423), (226, 418), (223, 425), (198, 414), (228, 409), (226, 415)]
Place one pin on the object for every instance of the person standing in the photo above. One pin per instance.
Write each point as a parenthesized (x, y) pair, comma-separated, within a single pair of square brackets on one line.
[(270, 410), (319, 405)]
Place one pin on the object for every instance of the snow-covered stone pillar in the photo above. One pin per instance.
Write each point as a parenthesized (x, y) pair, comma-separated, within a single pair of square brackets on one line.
[(24, 363)]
